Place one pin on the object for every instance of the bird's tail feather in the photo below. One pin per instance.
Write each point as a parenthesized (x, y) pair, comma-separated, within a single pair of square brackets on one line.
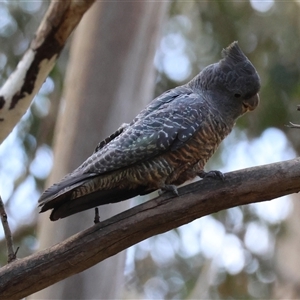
[(63, 198), (68, 207), (59, 191)]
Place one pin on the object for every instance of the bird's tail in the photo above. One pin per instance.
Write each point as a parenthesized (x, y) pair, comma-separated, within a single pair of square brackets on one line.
[(71, 196), (70, 207)]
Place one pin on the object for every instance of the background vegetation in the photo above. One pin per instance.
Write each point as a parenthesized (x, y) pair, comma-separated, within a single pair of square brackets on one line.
[(233, 254)]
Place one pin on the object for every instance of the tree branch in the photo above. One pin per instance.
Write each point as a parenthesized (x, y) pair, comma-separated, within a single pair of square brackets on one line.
[(11, 254), (87, 248), (23, 84)]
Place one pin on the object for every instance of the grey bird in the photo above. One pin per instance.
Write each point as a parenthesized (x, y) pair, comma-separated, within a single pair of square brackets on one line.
[(168, 143)]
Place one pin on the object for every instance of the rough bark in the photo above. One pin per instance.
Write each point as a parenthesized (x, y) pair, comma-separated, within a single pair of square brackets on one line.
[(110, 78), (89, 247), (23, 84)]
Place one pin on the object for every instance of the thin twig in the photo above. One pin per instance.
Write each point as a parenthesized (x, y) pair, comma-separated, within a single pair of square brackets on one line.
[(11, 254), (292, 125)]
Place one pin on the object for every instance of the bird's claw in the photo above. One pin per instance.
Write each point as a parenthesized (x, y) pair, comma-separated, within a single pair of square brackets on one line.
[(212, 174), (169, 188)]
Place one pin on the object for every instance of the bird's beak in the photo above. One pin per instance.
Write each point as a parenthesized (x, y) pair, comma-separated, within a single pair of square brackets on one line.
[(251, 103)]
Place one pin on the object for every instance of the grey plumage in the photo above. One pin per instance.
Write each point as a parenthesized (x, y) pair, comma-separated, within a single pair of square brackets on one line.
[(168, 143)]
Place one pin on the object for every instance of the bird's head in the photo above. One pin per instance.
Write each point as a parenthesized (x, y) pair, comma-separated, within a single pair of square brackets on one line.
[(235, 79), (239, 77)]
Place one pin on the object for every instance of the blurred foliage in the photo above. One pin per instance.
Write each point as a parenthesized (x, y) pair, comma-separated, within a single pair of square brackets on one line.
[(217, 257), (196, 33)]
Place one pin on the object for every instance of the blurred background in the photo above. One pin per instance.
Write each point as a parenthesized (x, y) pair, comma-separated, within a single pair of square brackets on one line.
[(249, 252)]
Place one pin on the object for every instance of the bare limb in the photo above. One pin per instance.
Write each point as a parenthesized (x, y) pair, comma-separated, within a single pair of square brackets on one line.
[(23, 84), (292, 125), (87, 248), (11, 254)]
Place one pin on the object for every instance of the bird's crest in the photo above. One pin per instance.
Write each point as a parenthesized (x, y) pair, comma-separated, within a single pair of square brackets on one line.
[(234, 52)]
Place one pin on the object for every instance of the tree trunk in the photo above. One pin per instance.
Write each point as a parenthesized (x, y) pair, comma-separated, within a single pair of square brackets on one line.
[(110, 77)]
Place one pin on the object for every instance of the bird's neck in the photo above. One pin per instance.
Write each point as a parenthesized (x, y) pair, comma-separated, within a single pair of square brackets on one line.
[(223, 107)]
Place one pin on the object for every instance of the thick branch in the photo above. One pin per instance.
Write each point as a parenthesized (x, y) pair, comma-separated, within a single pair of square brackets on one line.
[(23, 84), (85, 249)]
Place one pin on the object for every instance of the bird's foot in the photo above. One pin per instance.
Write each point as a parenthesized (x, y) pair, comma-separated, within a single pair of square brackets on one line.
[(169, 188), (97, 216), (212, 174)]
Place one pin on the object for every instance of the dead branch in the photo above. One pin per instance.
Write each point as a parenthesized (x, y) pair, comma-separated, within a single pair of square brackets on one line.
[(23, 84), (293, 125), (87, 248)]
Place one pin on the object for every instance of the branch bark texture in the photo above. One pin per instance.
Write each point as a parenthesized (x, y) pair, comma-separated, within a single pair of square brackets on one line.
[(87, 248), (23, 84)]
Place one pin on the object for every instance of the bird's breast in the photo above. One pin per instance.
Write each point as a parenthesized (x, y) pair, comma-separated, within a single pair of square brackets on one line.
[(168, 167)]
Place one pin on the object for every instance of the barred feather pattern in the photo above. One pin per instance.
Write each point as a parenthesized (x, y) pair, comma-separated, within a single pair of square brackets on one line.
[(168, 143), (173, 167)]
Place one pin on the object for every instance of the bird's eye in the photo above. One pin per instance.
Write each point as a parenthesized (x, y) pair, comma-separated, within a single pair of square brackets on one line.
[(237, 95)]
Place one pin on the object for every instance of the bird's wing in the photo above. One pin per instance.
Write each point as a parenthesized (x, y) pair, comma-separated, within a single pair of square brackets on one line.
[(166, 97), (111, 137), (166, 124), (154, 131), (74, 179)]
